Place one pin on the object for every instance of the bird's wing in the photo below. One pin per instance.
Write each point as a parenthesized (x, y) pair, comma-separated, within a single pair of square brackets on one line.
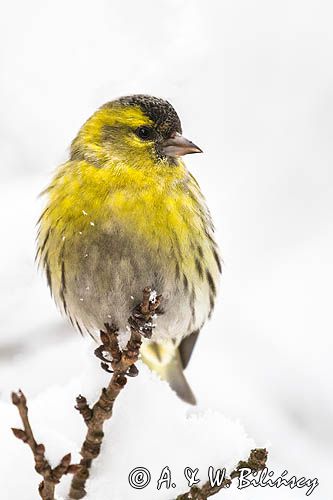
[(186, 347)]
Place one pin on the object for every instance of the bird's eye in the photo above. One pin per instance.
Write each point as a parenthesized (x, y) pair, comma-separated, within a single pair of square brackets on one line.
[(145, 133)]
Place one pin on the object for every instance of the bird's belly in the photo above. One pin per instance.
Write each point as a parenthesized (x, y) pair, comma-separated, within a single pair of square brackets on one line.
[(104, 278)]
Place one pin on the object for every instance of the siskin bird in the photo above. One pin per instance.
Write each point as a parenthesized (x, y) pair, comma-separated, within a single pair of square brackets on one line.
[(124, 213)]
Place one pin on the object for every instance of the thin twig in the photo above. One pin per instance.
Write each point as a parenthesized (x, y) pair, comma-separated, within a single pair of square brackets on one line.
[(122, 364), (255, 462), (51, 477)]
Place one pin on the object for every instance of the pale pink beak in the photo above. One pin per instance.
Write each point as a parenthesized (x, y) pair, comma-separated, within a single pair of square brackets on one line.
[(179, 146)]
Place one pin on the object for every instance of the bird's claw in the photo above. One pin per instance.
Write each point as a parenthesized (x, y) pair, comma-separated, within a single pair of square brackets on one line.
[(139, 322), (132, 371), (99, 353), (105, 364), (106, 367), (142, 316)]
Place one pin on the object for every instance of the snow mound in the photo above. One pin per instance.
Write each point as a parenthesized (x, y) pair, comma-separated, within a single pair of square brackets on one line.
[(150, 428)]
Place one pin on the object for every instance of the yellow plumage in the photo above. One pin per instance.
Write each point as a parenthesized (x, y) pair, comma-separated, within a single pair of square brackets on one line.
[(120, 212)]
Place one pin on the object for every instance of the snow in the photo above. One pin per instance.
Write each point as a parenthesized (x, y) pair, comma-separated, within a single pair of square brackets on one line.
[(150, 427), (252, 84), (153, 296)]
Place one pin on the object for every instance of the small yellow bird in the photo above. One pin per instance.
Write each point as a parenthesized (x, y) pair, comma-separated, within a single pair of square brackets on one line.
[(124, 213)]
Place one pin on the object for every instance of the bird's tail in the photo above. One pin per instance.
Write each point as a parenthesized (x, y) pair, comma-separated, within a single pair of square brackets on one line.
[(165, 360)]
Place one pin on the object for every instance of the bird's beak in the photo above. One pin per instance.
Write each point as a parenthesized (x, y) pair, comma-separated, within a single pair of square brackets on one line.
[(179, 146)]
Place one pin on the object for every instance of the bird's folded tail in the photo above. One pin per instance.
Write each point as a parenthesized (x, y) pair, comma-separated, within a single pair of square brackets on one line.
[(165, 360)]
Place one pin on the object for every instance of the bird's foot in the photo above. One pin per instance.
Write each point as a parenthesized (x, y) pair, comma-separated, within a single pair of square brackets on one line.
[(109, 350), (143, 314), (132, 371), (106, 367), (141, 325), (99, 353)]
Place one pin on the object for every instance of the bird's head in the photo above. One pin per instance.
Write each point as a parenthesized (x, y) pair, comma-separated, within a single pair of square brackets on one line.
[(139, 129)]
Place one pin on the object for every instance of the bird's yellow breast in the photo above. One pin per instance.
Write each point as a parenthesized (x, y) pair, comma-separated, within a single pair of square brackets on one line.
[(162, 206)]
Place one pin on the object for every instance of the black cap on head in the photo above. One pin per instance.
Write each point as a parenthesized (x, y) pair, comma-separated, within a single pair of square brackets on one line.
[(159, 111)]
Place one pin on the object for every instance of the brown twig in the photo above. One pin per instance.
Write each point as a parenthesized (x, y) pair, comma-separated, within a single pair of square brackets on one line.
[(51, 477), (255, 462), (122, 364)]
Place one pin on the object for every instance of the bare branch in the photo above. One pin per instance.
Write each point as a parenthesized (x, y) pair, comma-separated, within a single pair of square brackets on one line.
[(51, 477), (121, 364), (83, 407), (256, 462)]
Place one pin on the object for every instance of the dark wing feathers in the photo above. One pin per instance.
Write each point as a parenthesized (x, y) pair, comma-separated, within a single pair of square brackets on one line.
[(186, 347)]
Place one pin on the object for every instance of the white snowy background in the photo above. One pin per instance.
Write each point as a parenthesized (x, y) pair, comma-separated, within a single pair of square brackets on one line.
[(253, 84)]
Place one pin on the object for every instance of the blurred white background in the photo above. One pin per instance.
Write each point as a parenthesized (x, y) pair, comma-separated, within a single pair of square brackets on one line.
[(253, 84)]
